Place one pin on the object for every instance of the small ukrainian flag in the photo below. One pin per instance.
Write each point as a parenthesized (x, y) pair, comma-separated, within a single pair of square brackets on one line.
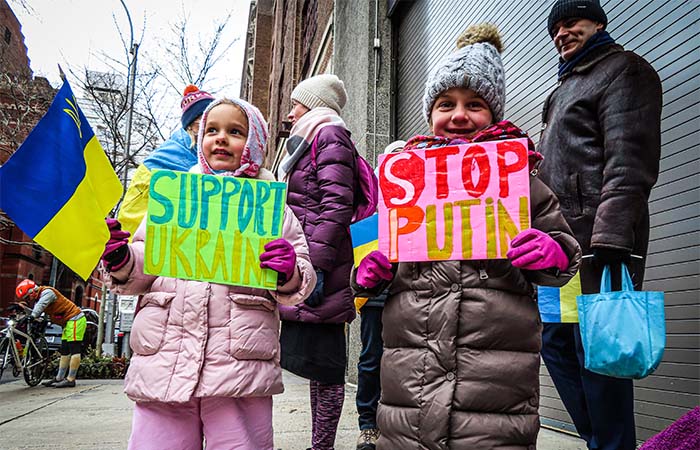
[(59, 186), (558, 305), (365, 237)]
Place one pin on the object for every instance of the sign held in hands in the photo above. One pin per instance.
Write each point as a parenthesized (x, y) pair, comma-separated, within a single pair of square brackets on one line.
[(212, 228), (455, 202)]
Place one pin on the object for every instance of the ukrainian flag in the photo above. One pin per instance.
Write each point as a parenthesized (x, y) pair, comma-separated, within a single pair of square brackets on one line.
[(558, 305), (365, 237), (59, 186)]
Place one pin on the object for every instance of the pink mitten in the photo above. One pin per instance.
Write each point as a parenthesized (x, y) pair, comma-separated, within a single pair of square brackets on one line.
[(373, 268), (116, 252), (279, 256), (535, 250)]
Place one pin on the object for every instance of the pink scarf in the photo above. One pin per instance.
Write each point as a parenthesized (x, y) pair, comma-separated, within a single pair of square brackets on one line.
[(303, 134)]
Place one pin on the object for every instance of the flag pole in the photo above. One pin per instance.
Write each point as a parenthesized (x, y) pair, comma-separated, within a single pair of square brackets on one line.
[(54, 260), (61, 73)]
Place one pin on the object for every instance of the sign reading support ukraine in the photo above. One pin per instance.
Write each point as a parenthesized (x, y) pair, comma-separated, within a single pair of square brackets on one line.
[(212, 228), (454, 202), (59, 186)]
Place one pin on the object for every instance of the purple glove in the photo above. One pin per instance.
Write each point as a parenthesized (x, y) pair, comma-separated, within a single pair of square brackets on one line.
[(279, 256), (116, 252), (372, 269), (534, 250)]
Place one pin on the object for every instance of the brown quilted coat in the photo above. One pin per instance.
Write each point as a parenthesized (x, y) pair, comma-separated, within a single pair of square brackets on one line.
[(461, 347)]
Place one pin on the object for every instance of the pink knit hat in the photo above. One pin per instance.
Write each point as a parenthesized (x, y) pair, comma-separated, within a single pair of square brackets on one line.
[(254, 150)]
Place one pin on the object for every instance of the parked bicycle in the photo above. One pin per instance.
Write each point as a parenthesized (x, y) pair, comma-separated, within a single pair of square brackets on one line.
[(22, 345)]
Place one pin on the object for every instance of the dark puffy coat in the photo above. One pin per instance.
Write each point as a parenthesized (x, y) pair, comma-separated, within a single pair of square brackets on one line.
[(460, 368), (321, 196), (601, 143)]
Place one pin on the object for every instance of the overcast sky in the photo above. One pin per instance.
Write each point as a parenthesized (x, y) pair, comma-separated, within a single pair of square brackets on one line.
[(74, 32)]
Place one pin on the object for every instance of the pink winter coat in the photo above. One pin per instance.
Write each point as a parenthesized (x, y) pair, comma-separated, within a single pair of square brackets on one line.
[(199, 339)]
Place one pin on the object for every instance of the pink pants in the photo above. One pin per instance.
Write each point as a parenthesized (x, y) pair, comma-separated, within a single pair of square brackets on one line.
[(225, 423)]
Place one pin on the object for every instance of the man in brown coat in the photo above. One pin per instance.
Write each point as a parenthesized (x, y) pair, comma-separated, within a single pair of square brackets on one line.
[(601, 147)]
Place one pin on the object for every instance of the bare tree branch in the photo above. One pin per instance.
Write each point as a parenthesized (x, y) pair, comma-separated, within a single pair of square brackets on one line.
[(23, 101), (24, 5), (185, 63), (11, 242)]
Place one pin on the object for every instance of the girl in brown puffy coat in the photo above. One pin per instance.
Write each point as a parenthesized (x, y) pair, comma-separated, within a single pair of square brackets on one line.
[(462, 338)]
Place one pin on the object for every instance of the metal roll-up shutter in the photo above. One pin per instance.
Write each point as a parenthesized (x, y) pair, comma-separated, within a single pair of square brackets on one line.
[(667, 34), (412, 70)]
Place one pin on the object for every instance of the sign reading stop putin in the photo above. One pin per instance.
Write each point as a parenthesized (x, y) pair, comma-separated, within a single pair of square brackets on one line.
[(457, 202)]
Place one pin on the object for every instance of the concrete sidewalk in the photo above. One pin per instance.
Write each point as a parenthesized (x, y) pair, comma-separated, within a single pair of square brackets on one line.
[(97, 415)]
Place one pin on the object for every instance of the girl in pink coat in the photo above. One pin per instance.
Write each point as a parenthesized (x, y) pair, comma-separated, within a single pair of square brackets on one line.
[(206, 355)]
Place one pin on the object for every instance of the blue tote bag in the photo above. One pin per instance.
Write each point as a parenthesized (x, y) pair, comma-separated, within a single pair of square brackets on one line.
[(623, 332)]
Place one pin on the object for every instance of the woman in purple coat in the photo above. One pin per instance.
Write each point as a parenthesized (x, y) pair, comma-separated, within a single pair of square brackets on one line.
[(321, 173)]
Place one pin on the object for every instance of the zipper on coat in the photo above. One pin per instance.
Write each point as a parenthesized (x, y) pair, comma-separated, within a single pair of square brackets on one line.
[(579, 194), (545, 110), (482, 271)]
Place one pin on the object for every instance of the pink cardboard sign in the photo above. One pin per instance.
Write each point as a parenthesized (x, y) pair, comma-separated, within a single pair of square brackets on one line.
[(457, 202)]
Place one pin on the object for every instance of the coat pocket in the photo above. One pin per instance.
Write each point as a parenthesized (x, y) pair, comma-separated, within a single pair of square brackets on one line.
[(148, 329), (583, 196), (254, 328)]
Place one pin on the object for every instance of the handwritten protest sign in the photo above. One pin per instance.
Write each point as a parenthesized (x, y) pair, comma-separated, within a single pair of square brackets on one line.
[(211, 228), (456, 202)]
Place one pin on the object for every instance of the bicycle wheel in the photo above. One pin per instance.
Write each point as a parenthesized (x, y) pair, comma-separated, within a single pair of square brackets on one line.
[(35, 361), (5, 354)]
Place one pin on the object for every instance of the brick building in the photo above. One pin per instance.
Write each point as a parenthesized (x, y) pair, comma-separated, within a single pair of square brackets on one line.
[(286, 43), (23, 101), (13, 52), (289, 41)]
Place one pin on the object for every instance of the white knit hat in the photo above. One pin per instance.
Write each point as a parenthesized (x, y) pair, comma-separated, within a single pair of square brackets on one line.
[(476, 65), (394, 147), (321, 90)]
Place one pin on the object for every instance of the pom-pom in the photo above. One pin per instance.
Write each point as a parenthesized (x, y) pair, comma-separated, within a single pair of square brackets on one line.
[(483, 32), (189, 89)]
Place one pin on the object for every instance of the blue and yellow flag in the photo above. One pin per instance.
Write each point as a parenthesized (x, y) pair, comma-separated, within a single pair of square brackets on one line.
[(558, 305), (365, 237), (59, 186)]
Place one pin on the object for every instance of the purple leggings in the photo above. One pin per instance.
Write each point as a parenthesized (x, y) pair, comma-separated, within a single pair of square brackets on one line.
[(326, 407)]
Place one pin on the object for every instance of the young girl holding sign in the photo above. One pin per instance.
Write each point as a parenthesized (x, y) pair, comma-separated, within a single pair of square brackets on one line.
[(206, 356), (462, 337)]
